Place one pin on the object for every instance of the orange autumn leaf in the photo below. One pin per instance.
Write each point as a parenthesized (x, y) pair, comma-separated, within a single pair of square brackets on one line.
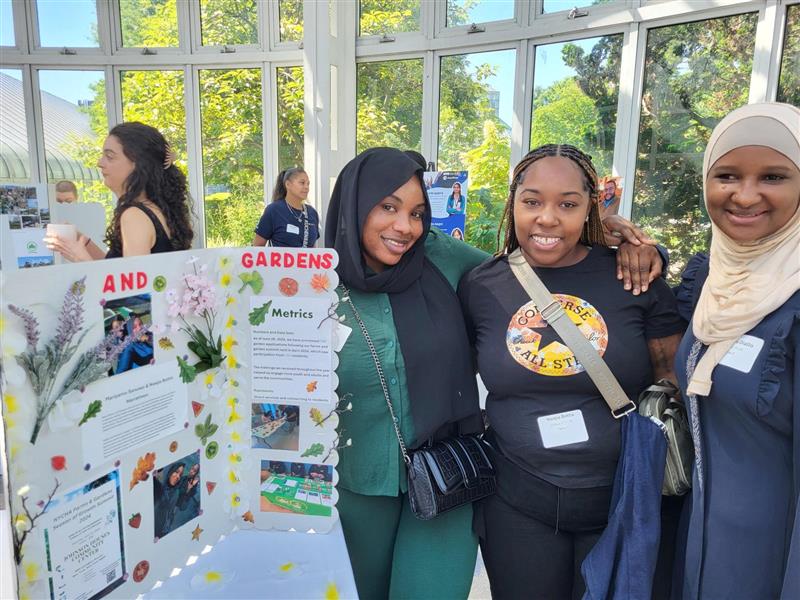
[(311, 387), (320, 282), (248, 516), (144, 465)]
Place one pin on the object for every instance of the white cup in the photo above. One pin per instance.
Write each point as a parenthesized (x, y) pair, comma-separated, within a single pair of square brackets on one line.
[(65, 231)]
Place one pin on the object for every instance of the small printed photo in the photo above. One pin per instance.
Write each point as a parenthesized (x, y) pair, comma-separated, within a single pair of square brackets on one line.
[(457, 200), (297, 488), (610, 195), (127, 322), (44, 216), (15, 198), (457, 233), (29, 262), (275, 426), (14, 222), (29, 221), (176, 494)]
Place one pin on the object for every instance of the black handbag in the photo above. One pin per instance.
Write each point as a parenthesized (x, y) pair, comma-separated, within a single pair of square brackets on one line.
[(442, 475)]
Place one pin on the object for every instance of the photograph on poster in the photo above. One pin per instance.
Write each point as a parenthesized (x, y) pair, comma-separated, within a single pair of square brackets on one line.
[(610, 195), (176, 494), (84, 541), (28, 262), (14, 199), (275, 426), (29, 221), (128, 317), (44, 216), (294, 487), (14, 222)]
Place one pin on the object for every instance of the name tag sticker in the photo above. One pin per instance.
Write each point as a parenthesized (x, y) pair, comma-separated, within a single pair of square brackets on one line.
[(340, 334), (562, 429), (742, 355), (292, 229)]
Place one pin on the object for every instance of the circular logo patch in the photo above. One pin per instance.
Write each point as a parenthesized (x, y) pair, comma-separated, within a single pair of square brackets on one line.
[(159, 283), (527, 327)]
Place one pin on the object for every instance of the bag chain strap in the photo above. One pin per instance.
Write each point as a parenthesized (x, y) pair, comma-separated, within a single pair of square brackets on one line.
[(371, 346)]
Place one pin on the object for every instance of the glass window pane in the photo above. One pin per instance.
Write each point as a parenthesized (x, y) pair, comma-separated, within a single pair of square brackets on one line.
[(789, 83), (149, 23), (233, 163), (72, 24), (388, 16), (575, 90), (464, 12), (6, 24), (550, 6), (155, 98), (291, 20), (290, 116), (476, 94), (695, 73), (389, 109), (75, 126), (228, 22), (15, 166)]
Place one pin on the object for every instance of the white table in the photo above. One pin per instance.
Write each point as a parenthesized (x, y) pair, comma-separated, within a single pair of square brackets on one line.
[(268, 564)]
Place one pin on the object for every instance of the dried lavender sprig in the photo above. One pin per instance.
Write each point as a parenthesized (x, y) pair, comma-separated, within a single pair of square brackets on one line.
[(70, 320), (31, 325)]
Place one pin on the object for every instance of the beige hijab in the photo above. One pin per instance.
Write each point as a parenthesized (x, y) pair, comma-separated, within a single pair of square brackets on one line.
[(746, 282)]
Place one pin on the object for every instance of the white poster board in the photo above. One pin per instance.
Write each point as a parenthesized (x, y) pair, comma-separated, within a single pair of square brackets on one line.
[(136, 440)]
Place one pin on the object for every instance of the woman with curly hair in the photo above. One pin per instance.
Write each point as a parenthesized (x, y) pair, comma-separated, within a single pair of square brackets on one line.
[(152, 213)]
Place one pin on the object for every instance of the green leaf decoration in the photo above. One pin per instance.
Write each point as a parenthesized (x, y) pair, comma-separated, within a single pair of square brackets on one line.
[(254, 280), (92, 411), (188, 372), (165, 343), (257, 316), (205, 430), (314, 450)]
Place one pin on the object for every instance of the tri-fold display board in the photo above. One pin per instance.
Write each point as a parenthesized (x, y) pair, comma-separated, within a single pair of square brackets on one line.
[(153, 404)]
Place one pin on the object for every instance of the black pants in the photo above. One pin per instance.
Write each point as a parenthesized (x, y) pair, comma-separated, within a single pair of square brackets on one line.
[(534, 535)]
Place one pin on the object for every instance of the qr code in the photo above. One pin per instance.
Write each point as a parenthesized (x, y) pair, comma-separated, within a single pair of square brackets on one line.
[(111, 576)]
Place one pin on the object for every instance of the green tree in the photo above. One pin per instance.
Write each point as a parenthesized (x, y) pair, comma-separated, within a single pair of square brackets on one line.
[(789, 85)]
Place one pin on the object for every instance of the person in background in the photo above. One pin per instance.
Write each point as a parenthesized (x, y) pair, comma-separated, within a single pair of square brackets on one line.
[(288, 221), (153, 207), (66, 192), (739, 363), (456, 203), (555, 442)]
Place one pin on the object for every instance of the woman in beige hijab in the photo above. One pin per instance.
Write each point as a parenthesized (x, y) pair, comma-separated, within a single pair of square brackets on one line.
[(739, 363)]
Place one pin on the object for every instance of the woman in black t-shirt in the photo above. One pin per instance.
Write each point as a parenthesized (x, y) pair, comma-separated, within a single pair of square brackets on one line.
[(556, 443), (288, 220)]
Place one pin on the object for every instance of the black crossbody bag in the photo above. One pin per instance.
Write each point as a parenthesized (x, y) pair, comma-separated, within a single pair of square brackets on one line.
[(442, 475)]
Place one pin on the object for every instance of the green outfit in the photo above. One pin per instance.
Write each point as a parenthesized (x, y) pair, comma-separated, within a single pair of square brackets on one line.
[(392, 553)]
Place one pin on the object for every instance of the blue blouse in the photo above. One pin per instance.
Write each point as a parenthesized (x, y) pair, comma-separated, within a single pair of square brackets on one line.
[(285, 226), (743, 538)]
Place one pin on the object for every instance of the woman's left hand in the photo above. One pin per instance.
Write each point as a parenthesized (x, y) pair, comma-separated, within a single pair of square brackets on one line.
[(638, 261), (638, 266)]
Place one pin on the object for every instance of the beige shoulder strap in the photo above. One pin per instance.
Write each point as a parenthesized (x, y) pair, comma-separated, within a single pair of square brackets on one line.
[(551, 311)]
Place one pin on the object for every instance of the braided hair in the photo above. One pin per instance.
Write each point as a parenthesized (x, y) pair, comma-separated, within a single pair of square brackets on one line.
[(592, 235)]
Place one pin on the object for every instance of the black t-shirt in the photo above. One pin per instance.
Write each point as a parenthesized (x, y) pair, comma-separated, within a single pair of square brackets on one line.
[(530, 374), (285, 226)]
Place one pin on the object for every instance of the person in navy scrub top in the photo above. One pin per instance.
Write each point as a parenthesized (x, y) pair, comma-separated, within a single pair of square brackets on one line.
[(288, 221)]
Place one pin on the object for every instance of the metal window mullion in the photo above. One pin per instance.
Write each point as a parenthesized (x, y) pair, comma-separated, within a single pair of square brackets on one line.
[(104, 26), (113, 104), (35, 124), (19, 15), (433, 132), (32, 26), (768, 25), (627, 103), (194, 153), (629, 169), (195, 26), (776, 55), (523, 82), (115, 26), (269, 126), (184, 16), (527, 100), (430, 114)]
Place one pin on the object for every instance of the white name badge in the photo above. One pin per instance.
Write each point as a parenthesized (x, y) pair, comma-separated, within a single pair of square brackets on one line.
[(292, 229), (562, 429), (743, 353)]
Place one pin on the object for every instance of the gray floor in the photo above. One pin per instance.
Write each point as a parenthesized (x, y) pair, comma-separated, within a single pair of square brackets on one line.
[(480, 583)]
